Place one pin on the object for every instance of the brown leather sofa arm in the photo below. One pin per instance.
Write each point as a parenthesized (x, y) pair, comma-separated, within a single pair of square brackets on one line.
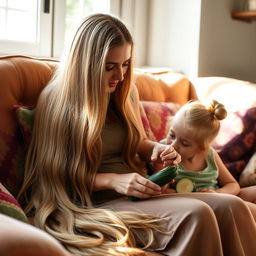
[(21, 239)]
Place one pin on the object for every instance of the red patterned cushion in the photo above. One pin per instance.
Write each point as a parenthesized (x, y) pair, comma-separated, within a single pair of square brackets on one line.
[(237, 150), (157, 118), (9, 205)]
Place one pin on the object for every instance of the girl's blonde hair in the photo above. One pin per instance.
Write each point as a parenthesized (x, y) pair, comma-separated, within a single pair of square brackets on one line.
[(66, 147), (203, 123)]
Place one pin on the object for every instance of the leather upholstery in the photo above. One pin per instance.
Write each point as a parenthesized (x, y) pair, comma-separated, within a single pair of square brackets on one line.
[(21, 81)]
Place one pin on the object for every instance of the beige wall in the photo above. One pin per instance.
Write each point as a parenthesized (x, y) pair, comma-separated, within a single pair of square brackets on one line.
[(227, 46), (174, 34), (200, 38)]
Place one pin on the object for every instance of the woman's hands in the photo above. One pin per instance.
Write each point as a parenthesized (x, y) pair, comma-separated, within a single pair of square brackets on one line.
[(133, 184), (165, 154)]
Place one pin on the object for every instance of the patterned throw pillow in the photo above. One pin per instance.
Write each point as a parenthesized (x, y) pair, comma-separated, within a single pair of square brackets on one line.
[(158, 117), (237, 151), (9, 205)]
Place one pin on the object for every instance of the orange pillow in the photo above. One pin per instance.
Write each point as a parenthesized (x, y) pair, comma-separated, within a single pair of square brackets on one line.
[(165, 87)]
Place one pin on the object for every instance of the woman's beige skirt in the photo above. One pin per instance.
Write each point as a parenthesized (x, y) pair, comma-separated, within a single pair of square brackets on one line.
[(200, 224)]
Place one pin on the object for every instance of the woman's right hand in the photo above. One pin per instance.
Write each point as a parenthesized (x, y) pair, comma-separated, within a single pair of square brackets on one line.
[(133, 184)]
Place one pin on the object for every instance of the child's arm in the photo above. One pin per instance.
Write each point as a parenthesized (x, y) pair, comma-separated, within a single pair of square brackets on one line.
[(227, 182)]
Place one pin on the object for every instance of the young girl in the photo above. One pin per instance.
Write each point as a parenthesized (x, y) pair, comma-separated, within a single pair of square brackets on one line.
[(192, 130)]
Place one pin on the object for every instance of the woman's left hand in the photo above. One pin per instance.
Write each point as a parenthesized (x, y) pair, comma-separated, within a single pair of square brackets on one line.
[(165, 154)]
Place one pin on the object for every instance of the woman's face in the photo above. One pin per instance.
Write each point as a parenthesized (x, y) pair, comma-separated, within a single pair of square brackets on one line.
[(117, 63)]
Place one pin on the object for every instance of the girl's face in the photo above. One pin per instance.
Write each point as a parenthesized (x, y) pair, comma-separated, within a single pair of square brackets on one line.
[(180, 138), (117, 63)]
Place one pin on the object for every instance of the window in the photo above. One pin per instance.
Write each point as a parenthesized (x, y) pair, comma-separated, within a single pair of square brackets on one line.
[(25, 27), (76, 10), (42, 27), (26, 13)]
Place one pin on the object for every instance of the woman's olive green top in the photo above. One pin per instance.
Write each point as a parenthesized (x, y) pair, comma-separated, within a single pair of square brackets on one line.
[(113, 137)]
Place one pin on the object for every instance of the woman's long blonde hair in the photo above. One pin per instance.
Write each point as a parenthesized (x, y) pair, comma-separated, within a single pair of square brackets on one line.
[(66, 147)]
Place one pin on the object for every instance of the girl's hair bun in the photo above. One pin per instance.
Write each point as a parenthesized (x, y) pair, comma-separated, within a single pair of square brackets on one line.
[(218, 110)]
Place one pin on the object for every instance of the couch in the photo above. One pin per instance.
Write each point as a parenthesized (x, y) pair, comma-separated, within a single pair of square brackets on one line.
[(161, 93)]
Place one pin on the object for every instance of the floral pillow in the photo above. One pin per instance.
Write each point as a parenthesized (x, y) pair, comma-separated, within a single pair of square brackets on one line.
[(238, 150), (248, 176), (9, 205), (157, 118)]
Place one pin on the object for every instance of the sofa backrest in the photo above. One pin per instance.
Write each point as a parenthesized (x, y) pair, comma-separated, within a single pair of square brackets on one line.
[(165, 86), (22, 79)]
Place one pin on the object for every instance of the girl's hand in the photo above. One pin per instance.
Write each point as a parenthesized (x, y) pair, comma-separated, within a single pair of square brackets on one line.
[(165, 154), (133, 184)]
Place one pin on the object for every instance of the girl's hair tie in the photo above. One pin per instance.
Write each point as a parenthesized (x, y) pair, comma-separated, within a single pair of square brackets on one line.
[(211, 109)]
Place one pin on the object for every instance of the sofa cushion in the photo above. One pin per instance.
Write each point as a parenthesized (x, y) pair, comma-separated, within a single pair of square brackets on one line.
[(158, 118), (164, 87), (9, 205), (235, 94), (238, 150)]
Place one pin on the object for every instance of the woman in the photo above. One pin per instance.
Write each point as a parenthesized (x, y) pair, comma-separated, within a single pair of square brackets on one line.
[(86, 156)]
